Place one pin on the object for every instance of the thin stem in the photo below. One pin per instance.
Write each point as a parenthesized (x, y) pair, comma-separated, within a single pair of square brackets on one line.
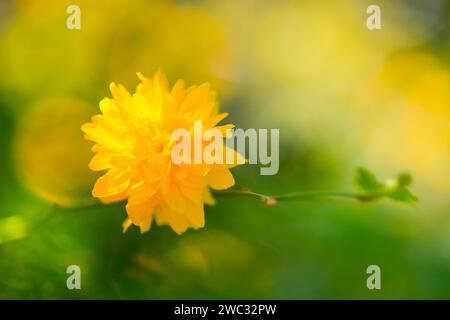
[(272, 200), (324, 195)]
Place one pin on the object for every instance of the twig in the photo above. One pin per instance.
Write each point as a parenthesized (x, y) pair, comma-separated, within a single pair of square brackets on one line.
[(272, 200)]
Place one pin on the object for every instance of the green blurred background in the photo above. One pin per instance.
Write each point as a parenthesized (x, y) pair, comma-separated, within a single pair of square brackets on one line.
[(342, 96)]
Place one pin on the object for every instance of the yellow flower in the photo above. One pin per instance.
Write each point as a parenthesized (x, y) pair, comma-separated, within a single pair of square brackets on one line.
[(133, 142)]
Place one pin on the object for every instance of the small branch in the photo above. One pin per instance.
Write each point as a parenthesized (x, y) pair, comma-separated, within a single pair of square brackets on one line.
[(272, 200)]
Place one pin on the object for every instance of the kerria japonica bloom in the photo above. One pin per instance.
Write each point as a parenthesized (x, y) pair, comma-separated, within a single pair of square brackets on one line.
[(133, 142)]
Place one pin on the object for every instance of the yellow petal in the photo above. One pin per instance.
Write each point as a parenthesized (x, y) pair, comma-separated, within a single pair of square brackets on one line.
[(196, 98), (177, 221), (208, 198), (108, 107), (220, 179), (214, 120), (231, 159), (143, 192), (101, 160), (174, 198), (112, 183), (126, 224), (195, 195), (120, 94), (116, 197), (195, 215), (225, 130), (141, 214), (178, 91)]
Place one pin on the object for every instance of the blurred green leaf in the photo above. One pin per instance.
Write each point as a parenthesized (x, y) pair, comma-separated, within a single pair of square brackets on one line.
[(367, 181), (402, 194), (373, 188)]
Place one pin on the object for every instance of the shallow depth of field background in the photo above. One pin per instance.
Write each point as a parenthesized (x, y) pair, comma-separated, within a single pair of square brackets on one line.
[(341, 95)]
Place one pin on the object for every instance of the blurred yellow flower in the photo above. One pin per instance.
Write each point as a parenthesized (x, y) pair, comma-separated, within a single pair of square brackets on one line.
[(133, 142)]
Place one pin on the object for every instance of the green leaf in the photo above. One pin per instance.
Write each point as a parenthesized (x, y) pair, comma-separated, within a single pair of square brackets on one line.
[(402, 194), (366, 181), (372, 188)]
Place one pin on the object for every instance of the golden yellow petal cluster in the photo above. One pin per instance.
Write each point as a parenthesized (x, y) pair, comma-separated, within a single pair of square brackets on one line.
[(134, 144)]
